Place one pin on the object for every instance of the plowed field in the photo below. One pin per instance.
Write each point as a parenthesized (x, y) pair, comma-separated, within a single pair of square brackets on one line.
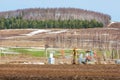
[(59, 72)]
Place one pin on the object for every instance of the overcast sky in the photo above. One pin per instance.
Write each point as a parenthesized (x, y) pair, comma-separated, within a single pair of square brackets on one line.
[(110, 7)]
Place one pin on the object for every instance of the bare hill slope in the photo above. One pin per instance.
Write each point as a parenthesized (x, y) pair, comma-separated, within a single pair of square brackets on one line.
[(61, 38)]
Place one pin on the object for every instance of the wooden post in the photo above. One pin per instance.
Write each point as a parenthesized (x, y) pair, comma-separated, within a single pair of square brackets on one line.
[(74, 56)]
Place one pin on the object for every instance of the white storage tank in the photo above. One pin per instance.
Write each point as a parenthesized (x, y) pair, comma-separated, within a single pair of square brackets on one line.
[(117, 61), (51, 59)]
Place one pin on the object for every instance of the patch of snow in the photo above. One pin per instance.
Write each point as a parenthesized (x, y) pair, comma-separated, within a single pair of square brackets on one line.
[(13, 37), (57, 32), (1, 48), (105, 34), (36, 32), (33, 49), (9, 52), (40, 63), (113, 28), (111, 23)]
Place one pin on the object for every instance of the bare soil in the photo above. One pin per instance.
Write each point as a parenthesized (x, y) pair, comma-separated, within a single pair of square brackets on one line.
[(59, 72), (68, 39)]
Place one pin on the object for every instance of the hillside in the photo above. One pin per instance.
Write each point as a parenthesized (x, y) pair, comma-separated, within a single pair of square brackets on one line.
[(98, 38), (57, 14)]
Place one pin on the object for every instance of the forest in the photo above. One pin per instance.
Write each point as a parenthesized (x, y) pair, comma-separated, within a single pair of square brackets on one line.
[(53, 17), (20, 23)]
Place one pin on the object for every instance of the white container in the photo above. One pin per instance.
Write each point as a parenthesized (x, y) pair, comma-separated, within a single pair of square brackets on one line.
[(117, 61), (80, 58), (51, 55), (51, 60)]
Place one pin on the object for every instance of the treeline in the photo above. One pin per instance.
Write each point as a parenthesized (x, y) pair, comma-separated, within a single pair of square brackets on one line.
[(58, 14), (20, 23)]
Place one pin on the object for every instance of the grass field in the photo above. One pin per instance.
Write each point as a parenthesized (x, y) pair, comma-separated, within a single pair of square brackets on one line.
[(40, 52), (26, 51)]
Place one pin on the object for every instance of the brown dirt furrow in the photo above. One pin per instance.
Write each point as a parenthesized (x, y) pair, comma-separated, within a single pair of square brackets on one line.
[(59, 72)]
